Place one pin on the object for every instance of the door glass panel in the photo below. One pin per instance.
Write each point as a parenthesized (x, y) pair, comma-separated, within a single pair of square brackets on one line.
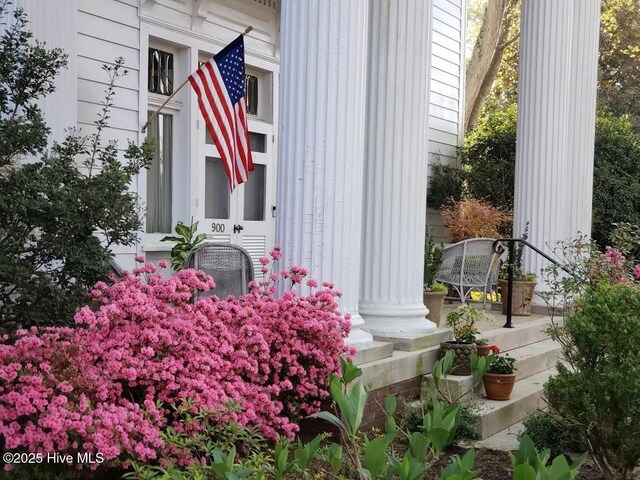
[(216, 189), (159, 187), (258, 142), (254, 194), (207, 137)]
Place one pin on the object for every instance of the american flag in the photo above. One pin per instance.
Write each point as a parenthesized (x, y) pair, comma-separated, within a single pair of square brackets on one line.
[(219, 84)]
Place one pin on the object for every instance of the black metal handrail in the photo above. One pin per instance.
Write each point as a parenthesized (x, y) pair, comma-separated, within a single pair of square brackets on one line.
[(499, 249)]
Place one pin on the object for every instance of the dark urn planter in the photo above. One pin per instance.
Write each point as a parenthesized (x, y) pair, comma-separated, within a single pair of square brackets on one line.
[(461, 356), (498, 386)]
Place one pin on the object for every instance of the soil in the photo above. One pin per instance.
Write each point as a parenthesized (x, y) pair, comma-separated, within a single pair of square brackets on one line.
[(496, 465)]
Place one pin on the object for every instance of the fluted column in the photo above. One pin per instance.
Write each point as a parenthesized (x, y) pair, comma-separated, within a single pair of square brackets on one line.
[(321, 149), (396, 168), (556, 121), (582, 113), (541, 195)]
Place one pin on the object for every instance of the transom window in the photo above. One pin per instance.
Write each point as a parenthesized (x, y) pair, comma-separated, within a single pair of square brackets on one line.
[(160, 72)]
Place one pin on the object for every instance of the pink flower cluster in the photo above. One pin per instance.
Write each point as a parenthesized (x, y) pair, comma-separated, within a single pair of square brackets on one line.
[(614, 268), (108, 385)]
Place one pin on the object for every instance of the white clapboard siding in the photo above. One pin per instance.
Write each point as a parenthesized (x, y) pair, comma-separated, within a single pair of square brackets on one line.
[(447, 91), (55, 24)]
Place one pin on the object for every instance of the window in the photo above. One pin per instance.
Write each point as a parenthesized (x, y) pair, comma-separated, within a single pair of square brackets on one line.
[(159, 176), (160, 72), (251, 91)]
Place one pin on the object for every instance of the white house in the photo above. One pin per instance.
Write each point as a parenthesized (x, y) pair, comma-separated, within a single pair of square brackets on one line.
[(348, 100)]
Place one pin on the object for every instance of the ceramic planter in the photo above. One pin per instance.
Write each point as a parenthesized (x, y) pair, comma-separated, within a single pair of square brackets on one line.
[(434, 301), (522, 296), (498, 386), (461, 356), (483, 350)]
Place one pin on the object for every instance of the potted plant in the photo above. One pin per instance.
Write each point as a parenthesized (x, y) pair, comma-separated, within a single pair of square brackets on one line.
[(524, 283), (484, 349), (463, 321), (500, 377), (433, 292)]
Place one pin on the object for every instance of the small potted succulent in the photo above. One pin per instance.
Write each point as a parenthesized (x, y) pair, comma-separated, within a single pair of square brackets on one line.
[(433, 292), (463, 321), (500, 377), (524, 283)]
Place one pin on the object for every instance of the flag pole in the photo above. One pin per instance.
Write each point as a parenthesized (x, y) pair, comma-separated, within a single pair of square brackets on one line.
[(155, 114)]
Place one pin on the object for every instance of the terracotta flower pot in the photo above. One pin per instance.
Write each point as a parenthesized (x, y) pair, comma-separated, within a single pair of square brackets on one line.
[(483, 350), (461, 356), (434, 301), (522, 296), (498, 386)]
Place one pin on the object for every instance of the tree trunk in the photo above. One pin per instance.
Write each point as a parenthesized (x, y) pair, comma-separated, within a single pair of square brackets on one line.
[(486, 57)]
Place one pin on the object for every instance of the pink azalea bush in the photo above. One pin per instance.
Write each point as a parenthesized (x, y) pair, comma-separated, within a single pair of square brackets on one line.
[(108, 386), (613, 267)]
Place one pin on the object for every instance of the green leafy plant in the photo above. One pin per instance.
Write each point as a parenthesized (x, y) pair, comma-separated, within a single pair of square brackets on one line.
[(463, 321), (501, 364), (547, 430), (186, 241), (529, 464), (433, 257), (59, 216), (598, 383)]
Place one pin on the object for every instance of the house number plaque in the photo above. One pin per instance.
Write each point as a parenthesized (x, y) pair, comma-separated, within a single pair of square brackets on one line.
[(217, 227)]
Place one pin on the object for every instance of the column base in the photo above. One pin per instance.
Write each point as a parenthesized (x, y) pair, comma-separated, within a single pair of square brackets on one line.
[(358, 338), (396, 319)]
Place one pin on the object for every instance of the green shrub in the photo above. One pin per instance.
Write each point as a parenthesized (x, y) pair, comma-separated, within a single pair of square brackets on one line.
[(58, 216), (488, 167), (547, 430), (599, 390), (616, 179)]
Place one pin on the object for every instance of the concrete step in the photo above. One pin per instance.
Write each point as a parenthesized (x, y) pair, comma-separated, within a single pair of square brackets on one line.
[(411, 343), (375, 351), (530, 359), (495, 416), (523, 334)]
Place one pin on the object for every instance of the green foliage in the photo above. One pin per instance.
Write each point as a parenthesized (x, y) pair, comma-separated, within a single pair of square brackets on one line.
[(433, 257), (446, 184), (186, 241), (28, 71), (60, 215), (598, 389), (438, 287), (616, 179), (501, 364), (626, 238), (461, 468), (463, 321), (488, 157), (529, 464), (547, 430)]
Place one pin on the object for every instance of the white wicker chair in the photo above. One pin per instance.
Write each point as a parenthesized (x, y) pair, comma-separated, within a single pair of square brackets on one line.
[(470, 265), (229, 265)]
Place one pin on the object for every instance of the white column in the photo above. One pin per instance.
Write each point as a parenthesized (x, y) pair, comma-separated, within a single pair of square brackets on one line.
[(556, 121), (321, 150), (396, 168), (582, 113), (543, 106)]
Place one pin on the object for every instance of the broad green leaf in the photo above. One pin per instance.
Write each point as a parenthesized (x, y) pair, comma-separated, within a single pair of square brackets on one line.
[(524, 471), (335, 457), (375, 459), (329, 417), (390, 404)]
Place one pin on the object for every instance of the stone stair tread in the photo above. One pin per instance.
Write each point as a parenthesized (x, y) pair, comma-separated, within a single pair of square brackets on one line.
[(494, 415)]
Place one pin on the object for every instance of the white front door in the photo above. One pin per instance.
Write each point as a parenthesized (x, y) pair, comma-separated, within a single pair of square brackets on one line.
[(245, 217)]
